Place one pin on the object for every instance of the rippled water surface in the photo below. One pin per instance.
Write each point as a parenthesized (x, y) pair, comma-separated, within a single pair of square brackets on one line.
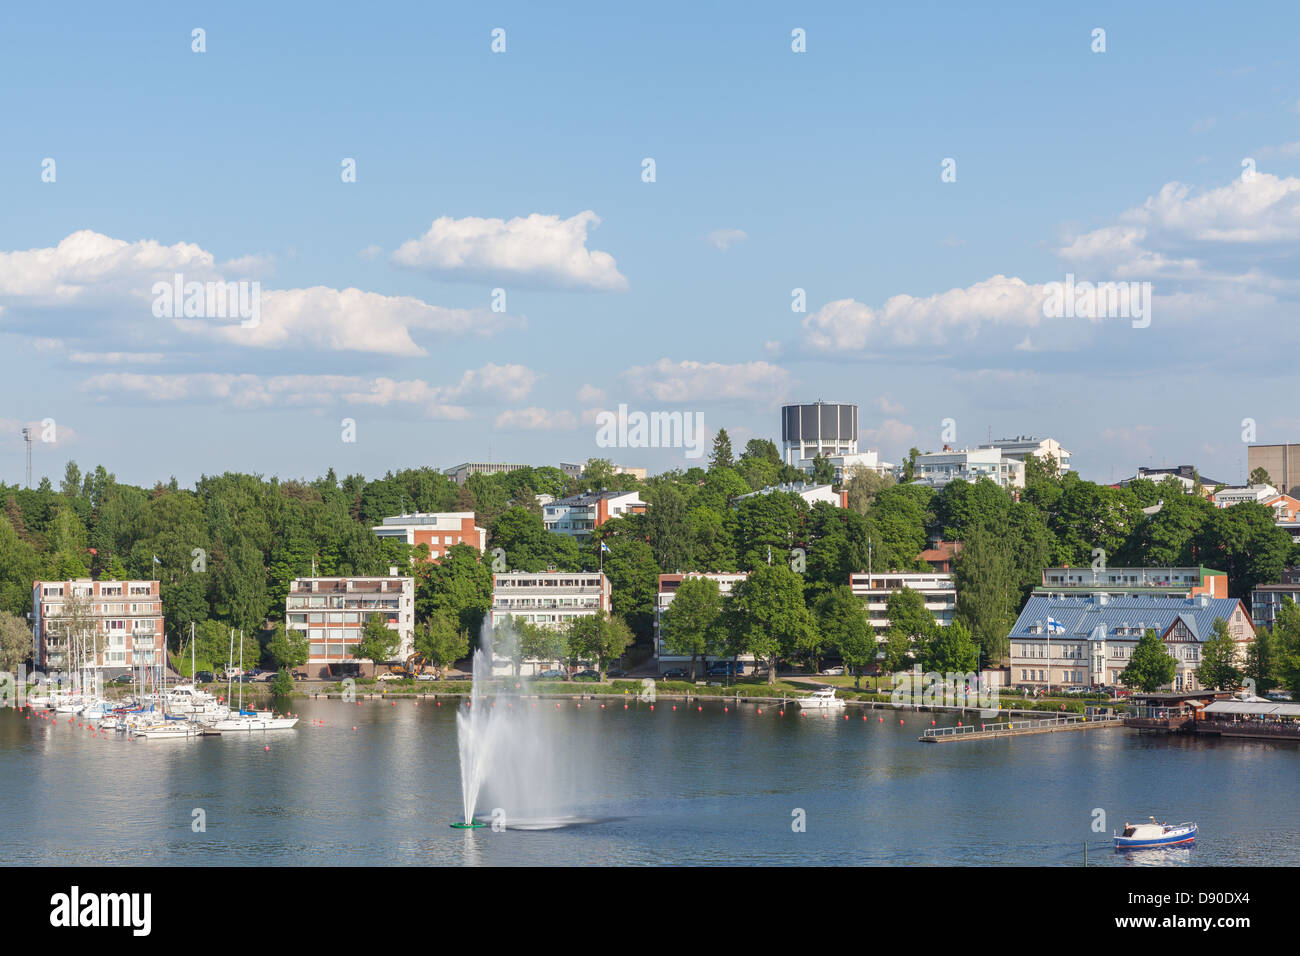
[(661, 787)]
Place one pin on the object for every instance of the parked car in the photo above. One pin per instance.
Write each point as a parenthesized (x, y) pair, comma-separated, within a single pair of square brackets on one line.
[(552, 674), (299, 675), (833, 672), (387, 677), (426, 677), (586, 675), (124, 679), (203, 677), (675, 673), (616, 672)]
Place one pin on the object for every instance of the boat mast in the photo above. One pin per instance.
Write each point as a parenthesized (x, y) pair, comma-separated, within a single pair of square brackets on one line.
[(230, 670)]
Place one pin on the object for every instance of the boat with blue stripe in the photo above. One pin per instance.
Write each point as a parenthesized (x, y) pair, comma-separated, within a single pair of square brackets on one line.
[(1143, 836)]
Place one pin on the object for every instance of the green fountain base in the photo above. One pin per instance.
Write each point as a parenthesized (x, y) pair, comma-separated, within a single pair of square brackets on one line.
[(475, 824)]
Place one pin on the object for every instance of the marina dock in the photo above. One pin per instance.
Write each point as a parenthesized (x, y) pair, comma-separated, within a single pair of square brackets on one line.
[(1018, 728)]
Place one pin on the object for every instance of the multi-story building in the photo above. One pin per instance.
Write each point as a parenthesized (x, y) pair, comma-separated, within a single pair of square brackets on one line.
[(105, 625), (548, 599), (1238, 494), (1087, 641), (809, 492), (1126, 582), (1282, 462), (938, 590), (438, 530), (579, 515), (1025, 445), (1286, 510), (668, 585), (460, 473), (1267, 599), (938, 468), (333, 613)]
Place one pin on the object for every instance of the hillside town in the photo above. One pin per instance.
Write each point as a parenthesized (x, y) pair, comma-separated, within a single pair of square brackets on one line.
[(809, 554)]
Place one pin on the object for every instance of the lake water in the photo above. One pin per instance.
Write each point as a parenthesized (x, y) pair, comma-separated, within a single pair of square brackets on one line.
[(661, 787)]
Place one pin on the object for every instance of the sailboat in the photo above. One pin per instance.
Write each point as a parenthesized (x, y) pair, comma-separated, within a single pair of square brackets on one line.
[(250, 720)]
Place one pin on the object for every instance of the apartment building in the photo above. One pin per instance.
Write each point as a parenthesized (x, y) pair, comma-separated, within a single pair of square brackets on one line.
[(1238, 494), (438, 530), (937, 469), (1282, 462), (938, 590), (1126, 582), (668, 585), (332, 613), (1087, 641), (548, 598), (1267, 599), (1024, 445), (578, 515), (1185, 475), (107, 625), (460, 473)]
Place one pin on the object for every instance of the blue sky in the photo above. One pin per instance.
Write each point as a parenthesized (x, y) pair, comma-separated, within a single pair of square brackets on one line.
[(522, 170)]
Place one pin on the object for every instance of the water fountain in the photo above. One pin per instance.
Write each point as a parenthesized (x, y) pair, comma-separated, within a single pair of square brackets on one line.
[(506, 755)]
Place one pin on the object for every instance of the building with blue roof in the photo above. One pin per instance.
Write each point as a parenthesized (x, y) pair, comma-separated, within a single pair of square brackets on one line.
[(1086, 641)]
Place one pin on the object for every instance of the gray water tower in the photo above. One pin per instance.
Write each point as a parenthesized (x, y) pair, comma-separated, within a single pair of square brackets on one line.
[(822, 428)]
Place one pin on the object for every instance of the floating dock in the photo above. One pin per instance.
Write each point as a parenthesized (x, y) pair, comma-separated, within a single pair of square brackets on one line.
[(1018, 728)]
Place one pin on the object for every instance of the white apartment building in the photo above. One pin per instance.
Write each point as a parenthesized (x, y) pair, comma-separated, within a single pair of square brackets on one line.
[(438, 530), (121, 624), (548, 598), (578, 515), (809, 492), (668, 585), (937, 469), (1235, 495), (938, 589), (1024, 445), (846, 465), (460, 473), (333, 612)]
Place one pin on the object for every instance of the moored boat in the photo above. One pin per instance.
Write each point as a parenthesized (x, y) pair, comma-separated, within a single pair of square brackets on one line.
[(1141, 836), (821, 699)]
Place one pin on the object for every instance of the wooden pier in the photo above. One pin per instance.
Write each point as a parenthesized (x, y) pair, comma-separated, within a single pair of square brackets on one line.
[(1018, 728)]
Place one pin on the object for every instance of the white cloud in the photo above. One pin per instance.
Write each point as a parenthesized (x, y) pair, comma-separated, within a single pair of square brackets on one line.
[(590, 393), (88, 271), (47, 431), (371, 252), (347, 320), (536, 249), (891, 434), (116, 358), (536, 419), (686, 381), (849, 325), (723, 239)]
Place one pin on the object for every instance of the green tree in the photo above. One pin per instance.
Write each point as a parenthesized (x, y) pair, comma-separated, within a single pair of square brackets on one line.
[(282, 685), (1284, 652), (16, 642), (1218, 668), (950, 650), (459, 584), (823, 472), (766, 615), (378, 642), (598, 637), (862, 487), (907, 612), (1259, 476), (899, 651), (987, 591), (842, 618), (1258, 665), (689, 624), (669, 524), (286, 648), (440, 641), (1151, 666), (721, 457)]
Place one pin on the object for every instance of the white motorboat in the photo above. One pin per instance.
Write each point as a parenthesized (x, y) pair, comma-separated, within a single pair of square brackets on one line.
[(169, 730), (251, 720), (1145, 836), (822, 699)]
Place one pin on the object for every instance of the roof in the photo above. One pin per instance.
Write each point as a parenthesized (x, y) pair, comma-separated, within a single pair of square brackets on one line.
[(591, 496), (1253, 709), (1081, 616), (942, 551)]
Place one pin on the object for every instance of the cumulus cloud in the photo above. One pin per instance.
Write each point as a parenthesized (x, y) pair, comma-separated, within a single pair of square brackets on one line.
[(687, 381), (590, 393), (904, 320), (536, 419), (724, 239), (98, 280), (537, 249)]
